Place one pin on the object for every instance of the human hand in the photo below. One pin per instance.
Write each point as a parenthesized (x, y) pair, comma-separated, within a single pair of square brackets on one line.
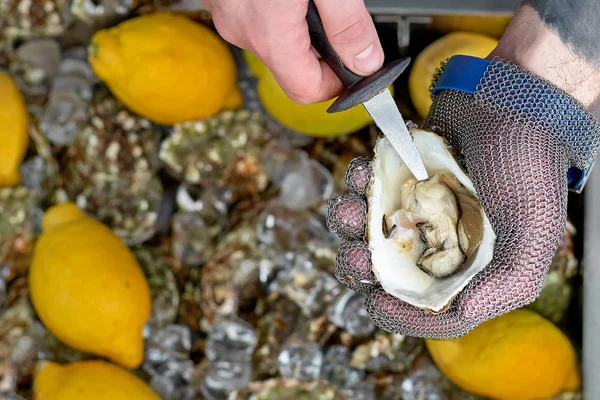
[(518, 162), (276, 31)]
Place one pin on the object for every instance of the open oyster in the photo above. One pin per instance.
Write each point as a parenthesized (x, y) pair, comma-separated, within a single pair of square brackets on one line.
[(428, 239)]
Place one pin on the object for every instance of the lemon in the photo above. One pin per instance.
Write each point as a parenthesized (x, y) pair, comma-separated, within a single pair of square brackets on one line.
[(491, 25), (13, 131), (309, 119), (166, 67), (428, 60), (517, 356), (88, 288), (88, 380)]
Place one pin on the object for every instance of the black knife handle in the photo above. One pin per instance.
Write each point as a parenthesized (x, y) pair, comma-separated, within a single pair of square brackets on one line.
[(358, 89), (320, 42)]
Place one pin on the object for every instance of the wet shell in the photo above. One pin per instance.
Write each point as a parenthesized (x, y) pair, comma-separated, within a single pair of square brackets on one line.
[(428, 239)]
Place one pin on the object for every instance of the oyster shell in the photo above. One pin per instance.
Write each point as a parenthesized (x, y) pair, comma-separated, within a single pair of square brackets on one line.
[(428, 239)]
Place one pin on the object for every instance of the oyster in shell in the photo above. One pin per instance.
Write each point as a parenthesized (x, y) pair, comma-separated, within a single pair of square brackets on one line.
[(428, 239)]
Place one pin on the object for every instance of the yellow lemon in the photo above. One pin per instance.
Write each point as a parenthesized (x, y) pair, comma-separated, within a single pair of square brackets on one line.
[(88, 288), (88, 380), (166, 67), (427, 61), (492, 25), (309, 119), (14, 137), (517, 356)]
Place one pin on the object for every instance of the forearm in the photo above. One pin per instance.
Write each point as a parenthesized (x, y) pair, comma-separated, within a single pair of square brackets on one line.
[(548, 38), (575, 21)]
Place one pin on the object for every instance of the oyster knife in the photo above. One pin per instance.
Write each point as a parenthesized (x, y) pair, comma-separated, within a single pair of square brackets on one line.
[(372, 92)]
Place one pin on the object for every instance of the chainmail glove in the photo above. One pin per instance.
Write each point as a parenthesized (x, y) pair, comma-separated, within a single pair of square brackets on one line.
[(517, 136)]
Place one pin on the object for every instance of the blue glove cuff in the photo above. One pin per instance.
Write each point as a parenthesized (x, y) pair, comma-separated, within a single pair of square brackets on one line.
[(543, 102)]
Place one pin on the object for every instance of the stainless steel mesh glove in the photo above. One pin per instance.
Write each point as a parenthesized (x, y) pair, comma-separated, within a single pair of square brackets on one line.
[(517, 136)]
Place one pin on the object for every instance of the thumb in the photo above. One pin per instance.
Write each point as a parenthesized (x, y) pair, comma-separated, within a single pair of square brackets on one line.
[(352, 34)]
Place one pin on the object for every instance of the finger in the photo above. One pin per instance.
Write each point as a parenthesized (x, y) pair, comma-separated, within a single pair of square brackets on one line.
[(358, 175), (353, 267), (351, 32), (207, 5), (305, 79), (226, 15), (393, 315), (346, 216), (282, 42)]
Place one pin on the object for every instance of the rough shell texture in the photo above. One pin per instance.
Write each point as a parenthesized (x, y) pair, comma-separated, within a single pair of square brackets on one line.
[(110, 169), (285, 388), (220, 151)]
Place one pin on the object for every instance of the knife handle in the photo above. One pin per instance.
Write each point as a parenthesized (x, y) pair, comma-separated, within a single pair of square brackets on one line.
[(321, 44), (358, 89)]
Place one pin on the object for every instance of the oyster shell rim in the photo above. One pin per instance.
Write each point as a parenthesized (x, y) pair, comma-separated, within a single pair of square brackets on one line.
[(476, 267)]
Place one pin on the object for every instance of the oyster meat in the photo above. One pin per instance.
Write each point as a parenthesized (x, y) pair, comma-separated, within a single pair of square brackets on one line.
[(428, 238)]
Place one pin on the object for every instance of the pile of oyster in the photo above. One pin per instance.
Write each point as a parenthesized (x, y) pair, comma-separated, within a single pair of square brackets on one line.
[(233, 241)]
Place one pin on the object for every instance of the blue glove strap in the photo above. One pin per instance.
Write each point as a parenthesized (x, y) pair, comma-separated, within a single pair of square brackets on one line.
[(464, 73)]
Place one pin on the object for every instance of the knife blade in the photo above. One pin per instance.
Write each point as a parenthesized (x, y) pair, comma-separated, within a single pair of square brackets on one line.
[(372, 92), (387, 117)]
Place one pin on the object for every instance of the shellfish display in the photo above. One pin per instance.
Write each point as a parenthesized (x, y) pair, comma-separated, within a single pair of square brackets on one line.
[(429, 238), (249, 229)]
